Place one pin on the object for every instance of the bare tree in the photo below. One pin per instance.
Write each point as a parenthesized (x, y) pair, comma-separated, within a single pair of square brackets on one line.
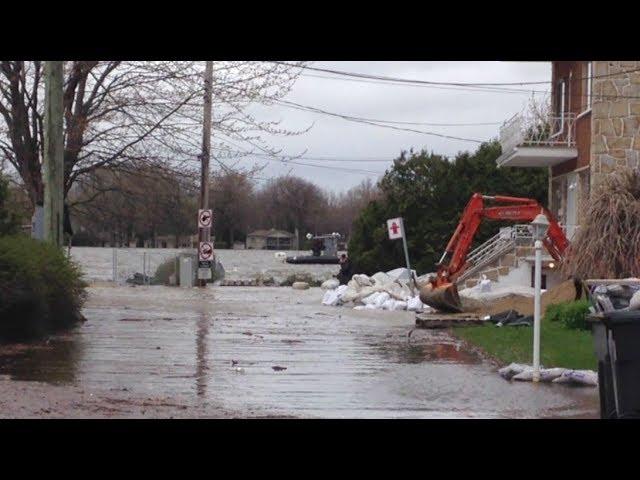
[(118, 113)]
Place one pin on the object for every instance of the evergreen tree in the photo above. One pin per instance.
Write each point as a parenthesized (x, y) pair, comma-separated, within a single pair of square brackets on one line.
[(430, 193)]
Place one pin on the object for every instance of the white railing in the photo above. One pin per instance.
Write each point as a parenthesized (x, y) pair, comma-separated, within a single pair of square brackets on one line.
[(530, 131), (496, 246)]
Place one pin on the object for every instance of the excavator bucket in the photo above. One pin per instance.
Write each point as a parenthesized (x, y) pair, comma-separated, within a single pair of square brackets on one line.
[(443, 298)]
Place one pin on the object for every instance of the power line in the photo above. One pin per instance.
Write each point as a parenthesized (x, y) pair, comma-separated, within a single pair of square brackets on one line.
[(429, 82), (351, 118), (458, 86), (320, 158)]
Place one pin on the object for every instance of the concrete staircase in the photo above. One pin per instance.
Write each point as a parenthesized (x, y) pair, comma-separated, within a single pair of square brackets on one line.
[(498, 256)]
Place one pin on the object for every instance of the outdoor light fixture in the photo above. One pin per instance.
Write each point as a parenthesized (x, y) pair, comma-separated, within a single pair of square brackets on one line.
[(540, 226), (552, 265), (309, 236)]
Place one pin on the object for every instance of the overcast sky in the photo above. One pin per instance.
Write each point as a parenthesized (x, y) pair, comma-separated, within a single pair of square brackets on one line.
[(340, 139)]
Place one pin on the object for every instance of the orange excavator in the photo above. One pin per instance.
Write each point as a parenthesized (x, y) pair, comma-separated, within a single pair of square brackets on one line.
[(441, 292)]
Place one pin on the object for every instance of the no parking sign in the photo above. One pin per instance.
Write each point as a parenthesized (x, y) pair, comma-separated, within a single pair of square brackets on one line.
[(205, 251), (205, 218)]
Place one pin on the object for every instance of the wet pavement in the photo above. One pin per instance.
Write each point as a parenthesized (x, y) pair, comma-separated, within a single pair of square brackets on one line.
[(214, 350)]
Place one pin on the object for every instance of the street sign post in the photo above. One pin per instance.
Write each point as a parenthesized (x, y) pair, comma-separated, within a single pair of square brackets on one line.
[(205, 260), (395, 227)]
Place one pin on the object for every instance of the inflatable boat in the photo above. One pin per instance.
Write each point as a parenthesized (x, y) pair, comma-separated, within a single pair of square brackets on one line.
[(309, 259)]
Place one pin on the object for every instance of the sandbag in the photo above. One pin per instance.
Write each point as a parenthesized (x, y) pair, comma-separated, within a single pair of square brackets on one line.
[(381, 278), (578, 377), (330, 298), (389, 304), (334, 297), (415, 305), (360, 280), (524, 376), (381, 298), (550, 374), (402, 274), (634, 303), (330, 284), (399, 305), (512, 369)]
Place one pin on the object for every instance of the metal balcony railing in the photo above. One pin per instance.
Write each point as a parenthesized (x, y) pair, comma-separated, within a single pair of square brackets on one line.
[(526, 131)]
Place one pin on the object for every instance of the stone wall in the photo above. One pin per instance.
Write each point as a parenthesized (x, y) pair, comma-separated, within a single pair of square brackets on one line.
[(615, 120)]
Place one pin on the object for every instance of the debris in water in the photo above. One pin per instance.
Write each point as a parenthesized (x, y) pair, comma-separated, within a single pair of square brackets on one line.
[(278, 368), (234, 362)]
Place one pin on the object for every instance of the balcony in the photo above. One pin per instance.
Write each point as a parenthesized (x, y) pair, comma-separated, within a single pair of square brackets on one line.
[(537, 142)]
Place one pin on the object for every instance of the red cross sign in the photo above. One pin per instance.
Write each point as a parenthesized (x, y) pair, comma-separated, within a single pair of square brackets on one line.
[(394, 226)]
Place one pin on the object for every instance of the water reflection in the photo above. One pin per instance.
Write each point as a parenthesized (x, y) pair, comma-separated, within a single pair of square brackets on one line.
[(202, 332), (53, 361)]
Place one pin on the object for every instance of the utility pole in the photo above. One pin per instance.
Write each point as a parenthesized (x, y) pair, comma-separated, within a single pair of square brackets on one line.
[(204, 234), (53, 154)]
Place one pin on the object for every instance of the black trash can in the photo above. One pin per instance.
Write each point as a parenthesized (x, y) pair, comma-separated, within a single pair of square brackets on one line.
[(616, 338)]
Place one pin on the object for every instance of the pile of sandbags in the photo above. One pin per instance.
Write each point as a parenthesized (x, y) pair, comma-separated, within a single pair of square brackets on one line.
[(381, 291), (524, 373)]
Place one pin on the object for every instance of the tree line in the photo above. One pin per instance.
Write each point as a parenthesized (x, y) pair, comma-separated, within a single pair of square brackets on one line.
[(145, 203)]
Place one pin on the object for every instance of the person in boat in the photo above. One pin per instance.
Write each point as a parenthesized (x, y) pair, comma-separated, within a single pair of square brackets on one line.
[(346, 270)]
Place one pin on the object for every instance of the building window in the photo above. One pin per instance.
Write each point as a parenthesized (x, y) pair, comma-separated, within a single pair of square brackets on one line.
[(587, 86)]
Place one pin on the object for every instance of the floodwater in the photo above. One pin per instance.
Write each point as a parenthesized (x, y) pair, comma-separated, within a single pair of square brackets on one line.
[(97, 263), (218, 346)]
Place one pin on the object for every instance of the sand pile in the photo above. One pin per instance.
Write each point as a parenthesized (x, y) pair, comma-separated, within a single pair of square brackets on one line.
[(564, 292)]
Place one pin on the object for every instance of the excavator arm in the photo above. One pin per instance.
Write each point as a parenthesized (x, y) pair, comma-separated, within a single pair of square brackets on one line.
[(442, 292)]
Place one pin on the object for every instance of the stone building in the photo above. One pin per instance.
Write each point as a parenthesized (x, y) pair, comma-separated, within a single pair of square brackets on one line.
[(590, 128)]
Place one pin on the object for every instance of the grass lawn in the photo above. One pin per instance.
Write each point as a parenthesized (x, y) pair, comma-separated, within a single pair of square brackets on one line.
[(559, 346)]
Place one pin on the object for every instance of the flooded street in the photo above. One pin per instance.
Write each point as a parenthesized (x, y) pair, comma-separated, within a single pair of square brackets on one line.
[(169, 352)]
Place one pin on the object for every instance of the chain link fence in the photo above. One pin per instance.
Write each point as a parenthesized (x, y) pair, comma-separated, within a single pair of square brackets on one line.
[(146, 266)]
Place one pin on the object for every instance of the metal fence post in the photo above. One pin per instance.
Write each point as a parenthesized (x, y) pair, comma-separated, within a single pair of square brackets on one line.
[(115, 264), (144, 268)]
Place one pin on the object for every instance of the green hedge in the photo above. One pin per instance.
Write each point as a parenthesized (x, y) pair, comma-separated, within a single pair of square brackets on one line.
[(572, 315), (41, 291)]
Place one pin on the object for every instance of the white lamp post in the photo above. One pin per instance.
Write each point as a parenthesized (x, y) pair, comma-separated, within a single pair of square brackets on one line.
[(540, 226)]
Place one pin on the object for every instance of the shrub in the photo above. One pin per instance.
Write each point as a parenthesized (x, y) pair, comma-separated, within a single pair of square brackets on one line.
[(572, 315), (164, 271), (9, 221), (41, 290)]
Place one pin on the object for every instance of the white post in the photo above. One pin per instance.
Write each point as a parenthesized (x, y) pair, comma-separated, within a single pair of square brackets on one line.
[(406, 255), (536, 311)]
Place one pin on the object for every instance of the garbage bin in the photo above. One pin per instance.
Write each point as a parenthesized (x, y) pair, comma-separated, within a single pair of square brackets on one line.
[(616, 336)]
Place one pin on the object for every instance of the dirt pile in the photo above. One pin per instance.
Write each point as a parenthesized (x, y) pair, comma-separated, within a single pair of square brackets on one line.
[(564, 292)]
